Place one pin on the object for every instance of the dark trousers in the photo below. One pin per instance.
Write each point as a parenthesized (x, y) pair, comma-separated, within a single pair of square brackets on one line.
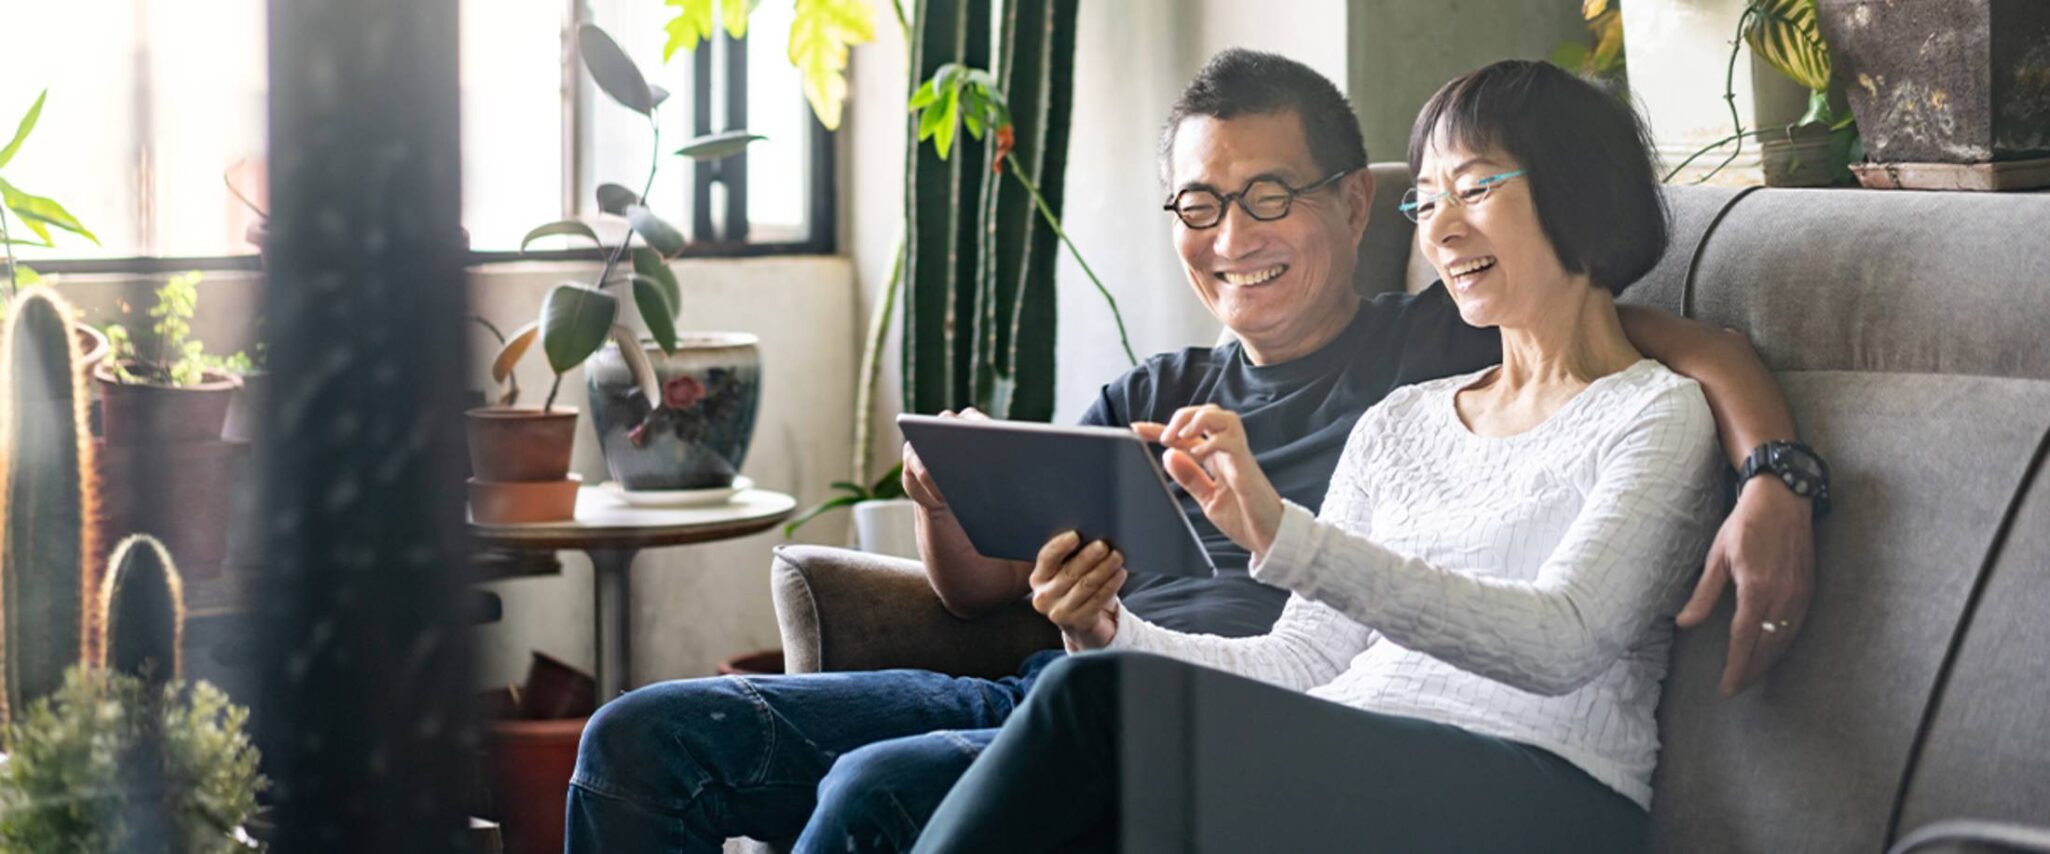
[(1211, 761)]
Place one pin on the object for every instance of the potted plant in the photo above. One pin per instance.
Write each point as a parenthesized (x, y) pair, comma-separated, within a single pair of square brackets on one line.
[(672, 411), (124, 755), (166, 401), (38, 215), (1815, 150)]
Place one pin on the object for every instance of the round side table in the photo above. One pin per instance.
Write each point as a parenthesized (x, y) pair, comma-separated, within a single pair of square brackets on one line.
[(612, 532)]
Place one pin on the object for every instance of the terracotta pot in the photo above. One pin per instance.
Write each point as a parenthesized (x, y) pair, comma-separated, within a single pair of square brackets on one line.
[(136, 413), (524, 502), (531, 763), (767, 662), (515, 444), (556, 690), (189, 504)]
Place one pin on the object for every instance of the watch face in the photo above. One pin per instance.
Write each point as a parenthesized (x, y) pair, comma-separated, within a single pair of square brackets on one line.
[(1785, 458)]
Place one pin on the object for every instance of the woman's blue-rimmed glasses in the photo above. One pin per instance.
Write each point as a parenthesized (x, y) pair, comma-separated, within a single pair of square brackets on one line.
[(1419, 207)]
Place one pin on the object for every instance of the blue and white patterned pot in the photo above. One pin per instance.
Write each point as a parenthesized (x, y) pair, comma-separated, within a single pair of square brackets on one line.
[(695, 435)]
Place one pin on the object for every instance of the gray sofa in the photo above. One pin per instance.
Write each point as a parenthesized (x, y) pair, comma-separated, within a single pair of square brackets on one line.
[(1912, 333)]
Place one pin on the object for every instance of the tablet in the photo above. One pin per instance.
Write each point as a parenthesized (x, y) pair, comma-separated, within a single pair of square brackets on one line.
[(1014, 485)]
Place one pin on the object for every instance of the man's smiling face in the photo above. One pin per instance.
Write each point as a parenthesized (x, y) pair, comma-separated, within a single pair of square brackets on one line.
[(1279, 284)]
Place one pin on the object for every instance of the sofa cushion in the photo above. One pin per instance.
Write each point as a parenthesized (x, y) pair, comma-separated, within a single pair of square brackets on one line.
[(1924, 467), (1987, 753)]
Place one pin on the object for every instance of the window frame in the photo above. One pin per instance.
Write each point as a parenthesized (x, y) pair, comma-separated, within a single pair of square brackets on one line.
[(822, 203)]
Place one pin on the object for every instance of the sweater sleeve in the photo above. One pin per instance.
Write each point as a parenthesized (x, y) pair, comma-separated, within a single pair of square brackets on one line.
[(1309, 645), (1636, 541)]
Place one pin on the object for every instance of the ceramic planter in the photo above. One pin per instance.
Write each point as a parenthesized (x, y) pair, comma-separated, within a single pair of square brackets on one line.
[(697, 434), (887, 527), (1944, 81)]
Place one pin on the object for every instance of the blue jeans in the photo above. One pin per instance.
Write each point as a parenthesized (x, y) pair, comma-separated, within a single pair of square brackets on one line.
[(852, 761)]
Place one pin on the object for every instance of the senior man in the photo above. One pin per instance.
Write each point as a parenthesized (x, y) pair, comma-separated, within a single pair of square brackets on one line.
[(1266, 169)]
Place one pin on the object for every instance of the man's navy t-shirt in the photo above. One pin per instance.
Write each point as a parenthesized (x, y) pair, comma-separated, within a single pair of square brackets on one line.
[(1297, 416)]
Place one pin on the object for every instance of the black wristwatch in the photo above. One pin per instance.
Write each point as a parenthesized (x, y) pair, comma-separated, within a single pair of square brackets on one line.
[(1797, 466)]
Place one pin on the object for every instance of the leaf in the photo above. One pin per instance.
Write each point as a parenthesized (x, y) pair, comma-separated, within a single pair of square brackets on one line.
[(890, 485), (24, 275), (656, 311), (719, 146), (820, 34), (927, 93), (662, 236), (1784, 33), (21, 131), (563, 228), (818, 510), (692, 24), (733, 13), (849, 487), (648, 262), (1608, 46), (514, 349), (656, 95), (613, 71), (35, 211), (574, 323), (1592, 9), (950, 119), (615, 199)]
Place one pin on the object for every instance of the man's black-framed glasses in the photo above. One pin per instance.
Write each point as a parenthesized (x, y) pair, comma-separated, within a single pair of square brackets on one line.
[(1264, 199)]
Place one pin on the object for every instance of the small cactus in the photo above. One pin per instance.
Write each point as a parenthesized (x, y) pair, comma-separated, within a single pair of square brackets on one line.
[(46, 511), (143, 604)]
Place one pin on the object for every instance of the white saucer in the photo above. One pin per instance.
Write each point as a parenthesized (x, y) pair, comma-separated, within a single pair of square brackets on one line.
[(677, 497)]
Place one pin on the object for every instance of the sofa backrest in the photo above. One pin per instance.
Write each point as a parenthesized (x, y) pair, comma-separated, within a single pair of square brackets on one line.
[(1911, 332)]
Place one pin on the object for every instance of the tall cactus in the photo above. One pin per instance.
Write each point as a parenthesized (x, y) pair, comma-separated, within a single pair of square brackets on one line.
[(942, 230), (979, 259), (46, 534), (143, 604), (1014, 350)]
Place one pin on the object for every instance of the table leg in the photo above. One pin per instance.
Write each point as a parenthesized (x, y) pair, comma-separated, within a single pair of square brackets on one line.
[(612, 619)]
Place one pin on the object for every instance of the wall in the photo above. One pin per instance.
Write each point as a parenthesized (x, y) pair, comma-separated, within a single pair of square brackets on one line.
[(692, 605)]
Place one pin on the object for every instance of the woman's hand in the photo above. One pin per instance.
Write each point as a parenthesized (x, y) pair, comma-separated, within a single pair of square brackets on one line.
[(1078, 590), (1208, 455)]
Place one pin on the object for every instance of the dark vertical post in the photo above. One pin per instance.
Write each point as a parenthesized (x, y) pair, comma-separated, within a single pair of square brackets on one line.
[(363, 716), (733, 170)]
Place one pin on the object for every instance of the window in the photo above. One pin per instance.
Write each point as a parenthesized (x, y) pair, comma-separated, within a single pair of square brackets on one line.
[(156, 118)]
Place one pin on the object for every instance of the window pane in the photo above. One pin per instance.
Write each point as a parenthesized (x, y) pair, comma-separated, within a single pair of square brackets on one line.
[(779, 168), (512, 118)]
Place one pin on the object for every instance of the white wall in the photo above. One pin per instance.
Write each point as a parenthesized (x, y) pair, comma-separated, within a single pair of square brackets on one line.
[(1132, 58)]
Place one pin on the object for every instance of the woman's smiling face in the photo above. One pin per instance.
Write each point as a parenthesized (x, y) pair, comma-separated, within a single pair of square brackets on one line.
[(1492, 255)]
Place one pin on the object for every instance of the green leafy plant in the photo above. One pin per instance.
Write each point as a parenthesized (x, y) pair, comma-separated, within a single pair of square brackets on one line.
[(107, 764), (38, 214), (178, 359), (578, 318), (1785, 34), (889, 486), (821, 32)]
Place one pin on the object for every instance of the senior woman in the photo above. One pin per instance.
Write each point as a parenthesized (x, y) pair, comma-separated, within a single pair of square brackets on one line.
[(1487, 596)]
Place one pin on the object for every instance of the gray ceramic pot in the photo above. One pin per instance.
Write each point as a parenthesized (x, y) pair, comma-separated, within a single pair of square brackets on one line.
[(695, 433)]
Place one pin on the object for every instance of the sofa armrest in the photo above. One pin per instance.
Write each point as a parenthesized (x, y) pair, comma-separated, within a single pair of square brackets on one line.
[(847, 610), (1973, 836)]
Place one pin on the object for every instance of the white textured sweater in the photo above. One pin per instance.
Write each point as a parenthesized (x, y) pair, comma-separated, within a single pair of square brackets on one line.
[(1521, 587)]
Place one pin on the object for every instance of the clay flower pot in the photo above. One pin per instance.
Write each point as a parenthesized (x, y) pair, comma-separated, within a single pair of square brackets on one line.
[(524, 502), (531, 763), (135, 413), (520, 444)]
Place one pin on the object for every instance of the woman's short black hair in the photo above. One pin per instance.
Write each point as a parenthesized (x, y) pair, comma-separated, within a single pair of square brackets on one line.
[(1588, 159)]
